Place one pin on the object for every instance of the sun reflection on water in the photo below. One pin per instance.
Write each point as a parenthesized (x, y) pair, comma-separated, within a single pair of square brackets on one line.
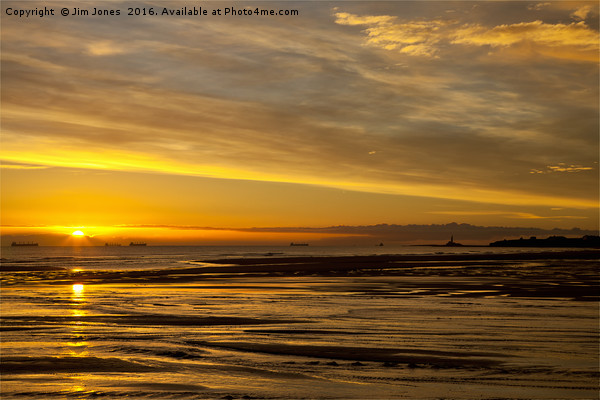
[(78, 289), (75, 389), (77, 346), (78, 293), (78, 313)]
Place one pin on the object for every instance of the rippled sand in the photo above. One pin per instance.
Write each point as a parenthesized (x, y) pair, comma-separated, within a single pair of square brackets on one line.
[(517, 327)]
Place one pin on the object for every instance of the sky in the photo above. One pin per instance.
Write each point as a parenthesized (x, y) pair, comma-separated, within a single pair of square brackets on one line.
[(194, 129)]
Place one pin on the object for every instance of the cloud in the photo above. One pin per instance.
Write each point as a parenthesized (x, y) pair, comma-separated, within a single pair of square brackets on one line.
[(581, 13), (174, 227), (537, 6), (524, 215), (506, 214), (472, 213), (428, 37), (561, 167), (10, 165), (105, 48), (415, 38), (537, 32), (351, 19)]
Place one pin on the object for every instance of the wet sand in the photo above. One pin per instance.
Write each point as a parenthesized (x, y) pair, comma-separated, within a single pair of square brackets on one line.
[(514, 326), (387, 356), (564, 273)]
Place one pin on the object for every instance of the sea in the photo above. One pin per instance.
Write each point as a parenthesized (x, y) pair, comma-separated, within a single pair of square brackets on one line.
[(121, 322), (152, 257)]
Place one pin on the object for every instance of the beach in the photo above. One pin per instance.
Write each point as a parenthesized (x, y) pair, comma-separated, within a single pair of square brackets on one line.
[(464, 325), (338, 200)]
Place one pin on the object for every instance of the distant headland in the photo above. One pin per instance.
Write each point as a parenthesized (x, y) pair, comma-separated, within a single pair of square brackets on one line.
[(552, 241), (587, 241)]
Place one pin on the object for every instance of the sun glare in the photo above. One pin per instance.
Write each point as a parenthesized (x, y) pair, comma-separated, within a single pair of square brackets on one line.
[(78, 233), (78, 288)]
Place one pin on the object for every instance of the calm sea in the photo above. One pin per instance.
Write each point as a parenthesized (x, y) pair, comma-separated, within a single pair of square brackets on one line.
[(155, 257)]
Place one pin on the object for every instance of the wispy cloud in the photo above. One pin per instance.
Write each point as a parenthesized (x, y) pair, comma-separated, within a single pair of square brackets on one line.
[(105, 48), (510, 215), (428, 37), (416, 38), (561, 167), (582, 12), (10, 165), (538, 6), (577, 35)]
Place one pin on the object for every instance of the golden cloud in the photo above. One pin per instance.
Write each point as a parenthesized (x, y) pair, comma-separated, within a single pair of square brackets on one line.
[(351, 19), (575, 34), (581, 13), (561, 167), (538, 6), (423, 38), (507, 214), (104, 48), (415, 38)]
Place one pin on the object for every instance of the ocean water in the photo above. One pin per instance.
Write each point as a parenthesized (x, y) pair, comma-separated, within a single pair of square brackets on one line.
[(151, 257), (143, 322)]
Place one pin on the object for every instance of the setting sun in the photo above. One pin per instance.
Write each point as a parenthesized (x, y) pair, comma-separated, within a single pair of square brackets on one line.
[(78, 233)]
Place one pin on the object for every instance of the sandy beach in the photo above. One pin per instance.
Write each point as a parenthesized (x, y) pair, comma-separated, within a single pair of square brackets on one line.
[(470, 326)]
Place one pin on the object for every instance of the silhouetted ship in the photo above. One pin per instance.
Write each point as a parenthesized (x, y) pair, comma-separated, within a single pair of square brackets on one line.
[(552, 241), (298, 244), (18, 244), (112, 244), (452, 243), (137, 244)]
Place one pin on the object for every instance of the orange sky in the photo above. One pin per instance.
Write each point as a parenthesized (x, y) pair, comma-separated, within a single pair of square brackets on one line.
[(351, 113)]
